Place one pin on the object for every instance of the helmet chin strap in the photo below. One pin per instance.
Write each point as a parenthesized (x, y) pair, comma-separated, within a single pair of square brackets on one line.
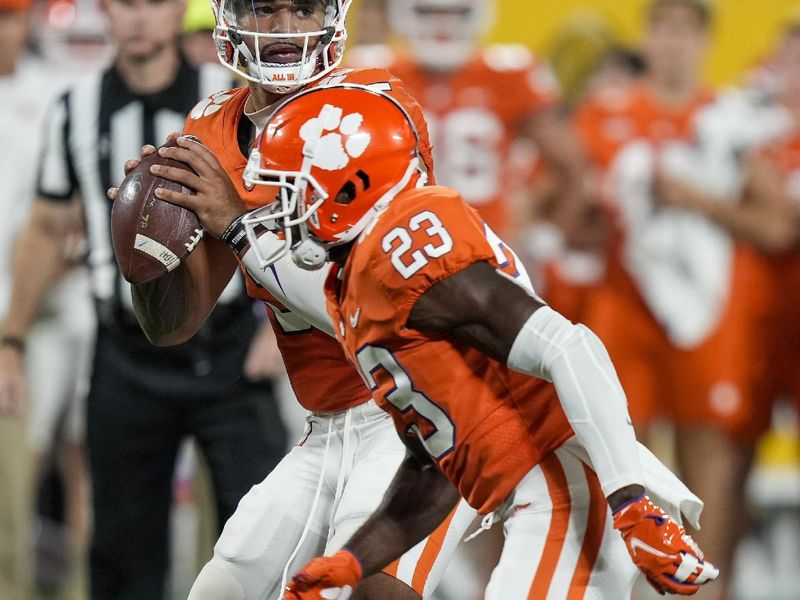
[(309, 63)]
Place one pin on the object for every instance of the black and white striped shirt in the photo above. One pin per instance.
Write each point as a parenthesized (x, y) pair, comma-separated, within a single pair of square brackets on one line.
[(96, 126)]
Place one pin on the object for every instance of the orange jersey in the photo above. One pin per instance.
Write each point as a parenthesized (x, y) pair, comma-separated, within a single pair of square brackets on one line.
[(607, 122), (779, 278), (320, 375), (485, 425), (475, 114), (710, 382), (604, 124)]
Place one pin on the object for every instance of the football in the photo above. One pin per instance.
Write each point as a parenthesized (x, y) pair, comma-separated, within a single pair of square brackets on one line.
[(151, 236)]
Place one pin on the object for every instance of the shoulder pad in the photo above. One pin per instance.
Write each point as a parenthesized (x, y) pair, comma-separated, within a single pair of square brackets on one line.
[(370, 55), (508, 57), (208, 106)]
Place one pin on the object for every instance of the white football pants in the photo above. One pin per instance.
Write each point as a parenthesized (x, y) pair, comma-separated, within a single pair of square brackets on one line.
[(560, 544), (312, 503)]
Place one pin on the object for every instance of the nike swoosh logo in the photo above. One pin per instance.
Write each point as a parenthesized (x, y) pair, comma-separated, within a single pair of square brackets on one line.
[(354, 318), (637, 543)]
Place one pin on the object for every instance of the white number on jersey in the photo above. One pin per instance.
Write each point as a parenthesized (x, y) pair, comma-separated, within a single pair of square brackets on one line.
[(404, 398), (467, 152), (418, 258), (507, 261)]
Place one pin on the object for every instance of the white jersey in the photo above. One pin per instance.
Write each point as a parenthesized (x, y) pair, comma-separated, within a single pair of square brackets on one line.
[(23, 105)]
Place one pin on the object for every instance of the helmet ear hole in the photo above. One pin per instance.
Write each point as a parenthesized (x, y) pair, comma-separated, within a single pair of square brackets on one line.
[(347, 194)]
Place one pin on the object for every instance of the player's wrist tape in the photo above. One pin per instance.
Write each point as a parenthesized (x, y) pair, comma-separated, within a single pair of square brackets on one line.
[(621, 508), (12, 341), (235, 235)]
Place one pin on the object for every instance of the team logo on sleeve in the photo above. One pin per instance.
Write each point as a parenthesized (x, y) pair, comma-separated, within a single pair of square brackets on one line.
[(331, 139), (208, 106)]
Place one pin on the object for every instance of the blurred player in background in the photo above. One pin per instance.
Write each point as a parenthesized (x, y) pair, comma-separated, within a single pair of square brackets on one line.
[(600, 116), (73, 40), (197, 43), (371, 47), (142, 400), (768, 219), (672, 312), (58, 351), (371, 23), (73, 37), (23, 109), (578, 45), (782, 238), (572, 273), (337, 474), (478, 102)]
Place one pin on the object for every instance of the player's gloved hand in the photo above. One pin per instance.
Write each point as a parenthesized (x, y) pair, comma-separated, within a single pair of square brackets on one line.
[(327, 577), (661, 549)]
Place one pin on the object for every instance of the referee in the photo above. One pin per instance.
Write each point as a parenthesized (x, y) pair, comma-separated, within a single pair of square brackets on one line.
[(143, 400)]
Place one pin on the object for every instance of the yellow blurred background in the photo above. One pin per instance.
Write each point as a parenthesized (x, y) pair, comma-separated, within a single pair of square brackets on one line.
[(743, 32)]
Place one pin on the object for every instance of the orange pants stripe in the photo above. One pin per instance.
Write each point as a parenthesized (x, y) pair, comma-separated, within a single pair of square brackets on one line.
[(559, 494)]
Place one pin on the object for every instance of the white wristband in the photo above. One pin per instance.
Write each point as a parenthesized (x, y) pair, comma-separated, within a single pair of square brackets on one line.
[(571, 356)]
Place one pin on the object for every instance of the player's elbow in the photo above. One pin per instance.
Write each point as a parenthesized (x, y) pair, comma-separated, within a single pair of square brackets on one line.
[(47, 225)]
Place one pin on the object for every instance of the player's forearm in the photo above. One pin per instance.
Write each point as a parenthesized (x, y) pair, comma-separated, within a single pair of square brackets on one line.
[(171, 308), (533, 339), (299, 290), (417, 502), (770, 229), (576, 361), (570, 200), (38, 255), (565, 161)]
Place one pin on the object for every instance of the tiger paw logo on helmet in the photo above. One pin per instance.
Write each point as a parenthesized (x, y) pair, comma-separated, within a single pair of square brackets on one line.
[(331, 139)]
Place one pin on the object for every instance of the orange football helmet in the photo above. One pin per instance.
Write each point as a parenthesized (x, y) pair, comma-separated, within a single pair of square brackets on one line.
[(337, 156)]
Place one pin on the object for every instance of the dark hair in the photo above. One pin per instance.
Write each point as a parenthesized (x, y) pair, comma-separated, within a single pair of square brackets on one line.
[(792, 28), (629, 60)]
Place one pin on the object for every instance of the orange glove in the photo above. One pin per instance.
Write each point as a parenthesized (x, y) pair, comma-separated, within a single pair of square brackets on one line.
[(661, 549), (326, 577)]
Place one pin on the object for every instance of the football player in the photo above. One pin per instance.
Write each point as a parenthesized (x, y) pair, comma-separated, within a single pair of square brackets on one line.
[(675, 308), (780, 233), (337, 474), (767, 219), (479, 103), (440, 319)]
